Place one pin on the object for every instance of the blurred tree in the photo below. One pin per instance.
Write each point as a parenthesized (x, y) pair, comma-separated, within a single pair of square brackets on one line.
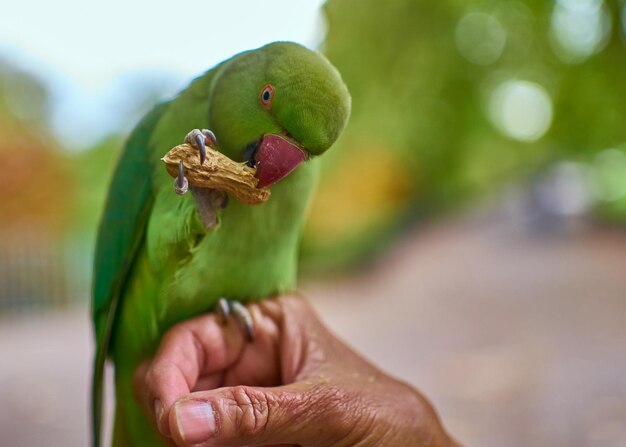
[(453, 99), (36, 194), (35, 188)]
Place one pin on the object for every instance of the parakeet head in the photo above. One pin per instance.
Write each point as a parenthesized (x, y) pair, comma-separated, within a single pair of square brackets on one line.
[(277, 106)]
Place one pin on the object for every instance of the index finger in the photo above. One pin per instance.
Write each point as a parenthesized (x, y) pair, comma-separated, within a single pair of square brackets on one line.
[(192, 349)]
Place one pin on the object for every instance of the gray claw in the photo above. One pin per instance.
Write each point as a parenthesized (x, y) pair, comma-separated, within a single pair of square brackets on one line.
[(210, 136), (200, 142), (223, 310), (181, 185), (200, 139), (243, 316)]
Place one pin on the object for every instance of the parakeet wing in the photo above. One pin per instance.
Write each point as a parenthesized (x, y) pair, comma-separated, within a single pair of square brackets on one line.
[(119, 237)]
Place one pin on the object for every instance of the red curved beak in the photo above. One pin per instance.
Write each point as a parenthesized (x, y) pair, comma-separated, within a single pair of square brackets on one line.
[(275, 158)]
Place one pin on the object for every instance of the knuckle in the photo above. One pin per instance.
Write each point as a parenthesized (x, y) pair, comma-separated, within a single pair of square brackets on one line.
[(150, 378), (184, 341), (251, 410), (335, 399), (347, 411), (157, 375), (179, 331)]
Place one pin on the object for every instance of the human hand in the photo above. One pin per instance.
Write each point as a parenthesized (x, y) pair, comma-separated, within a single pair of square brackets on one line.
[(297, 384)]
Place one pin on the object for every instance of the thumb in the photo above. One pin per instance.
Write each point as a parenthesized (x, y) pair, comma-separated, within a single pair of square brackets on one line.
[(299, 413)]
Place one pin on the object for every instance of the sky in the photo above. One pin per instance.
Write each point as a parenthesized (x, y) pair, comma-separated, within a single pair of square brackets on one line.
[(89, 53)]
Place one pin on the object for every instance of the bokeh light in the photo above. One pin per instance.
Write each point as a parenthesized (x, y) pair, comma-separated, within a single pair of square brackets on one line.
[(568, 191), (480, 38), (521, 110), (580, 28)]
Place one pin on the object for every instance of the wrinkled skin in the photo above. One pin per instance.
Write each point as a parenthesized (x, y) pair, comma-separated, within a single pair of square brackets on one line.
[(322, 392)]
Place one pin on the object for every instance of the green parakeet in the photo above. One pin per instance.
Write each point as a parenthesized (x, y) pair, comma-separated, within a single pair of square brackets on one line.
[(162, 258)]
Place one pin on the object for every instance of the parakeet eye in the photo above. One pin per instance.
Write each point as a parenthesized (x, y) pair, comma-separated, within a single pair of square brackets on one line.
[(267, 95)]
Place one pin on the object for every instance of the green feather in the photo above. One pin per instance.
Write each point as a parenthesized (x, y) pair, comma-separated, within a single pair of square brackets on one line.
[(119, 236), (156, 263)]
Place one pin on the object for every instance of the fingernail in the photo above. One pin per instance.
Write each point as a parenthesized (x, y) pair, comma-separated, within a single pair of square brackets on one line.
[(195, 421), (158, 414)]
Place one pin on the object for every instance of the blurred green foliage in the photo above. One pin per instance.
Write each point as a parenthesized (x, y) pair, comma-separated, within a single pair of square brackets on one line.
[(92, 170), (460, 98), (452, 101)]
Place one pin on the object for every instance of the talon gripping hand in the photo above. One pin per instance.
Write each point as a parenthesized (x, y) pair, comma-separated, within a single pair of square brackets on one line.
[(163, 257)]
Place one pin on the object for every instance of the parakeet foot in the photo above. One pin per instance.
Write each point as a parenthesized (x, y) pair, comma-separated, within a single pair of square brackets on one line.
[(228, 309), (199, 139)]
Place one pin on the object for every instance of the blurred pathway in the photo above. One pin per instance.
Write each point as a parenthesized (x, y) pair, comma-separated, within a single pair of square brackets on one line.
[(518, 340)]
